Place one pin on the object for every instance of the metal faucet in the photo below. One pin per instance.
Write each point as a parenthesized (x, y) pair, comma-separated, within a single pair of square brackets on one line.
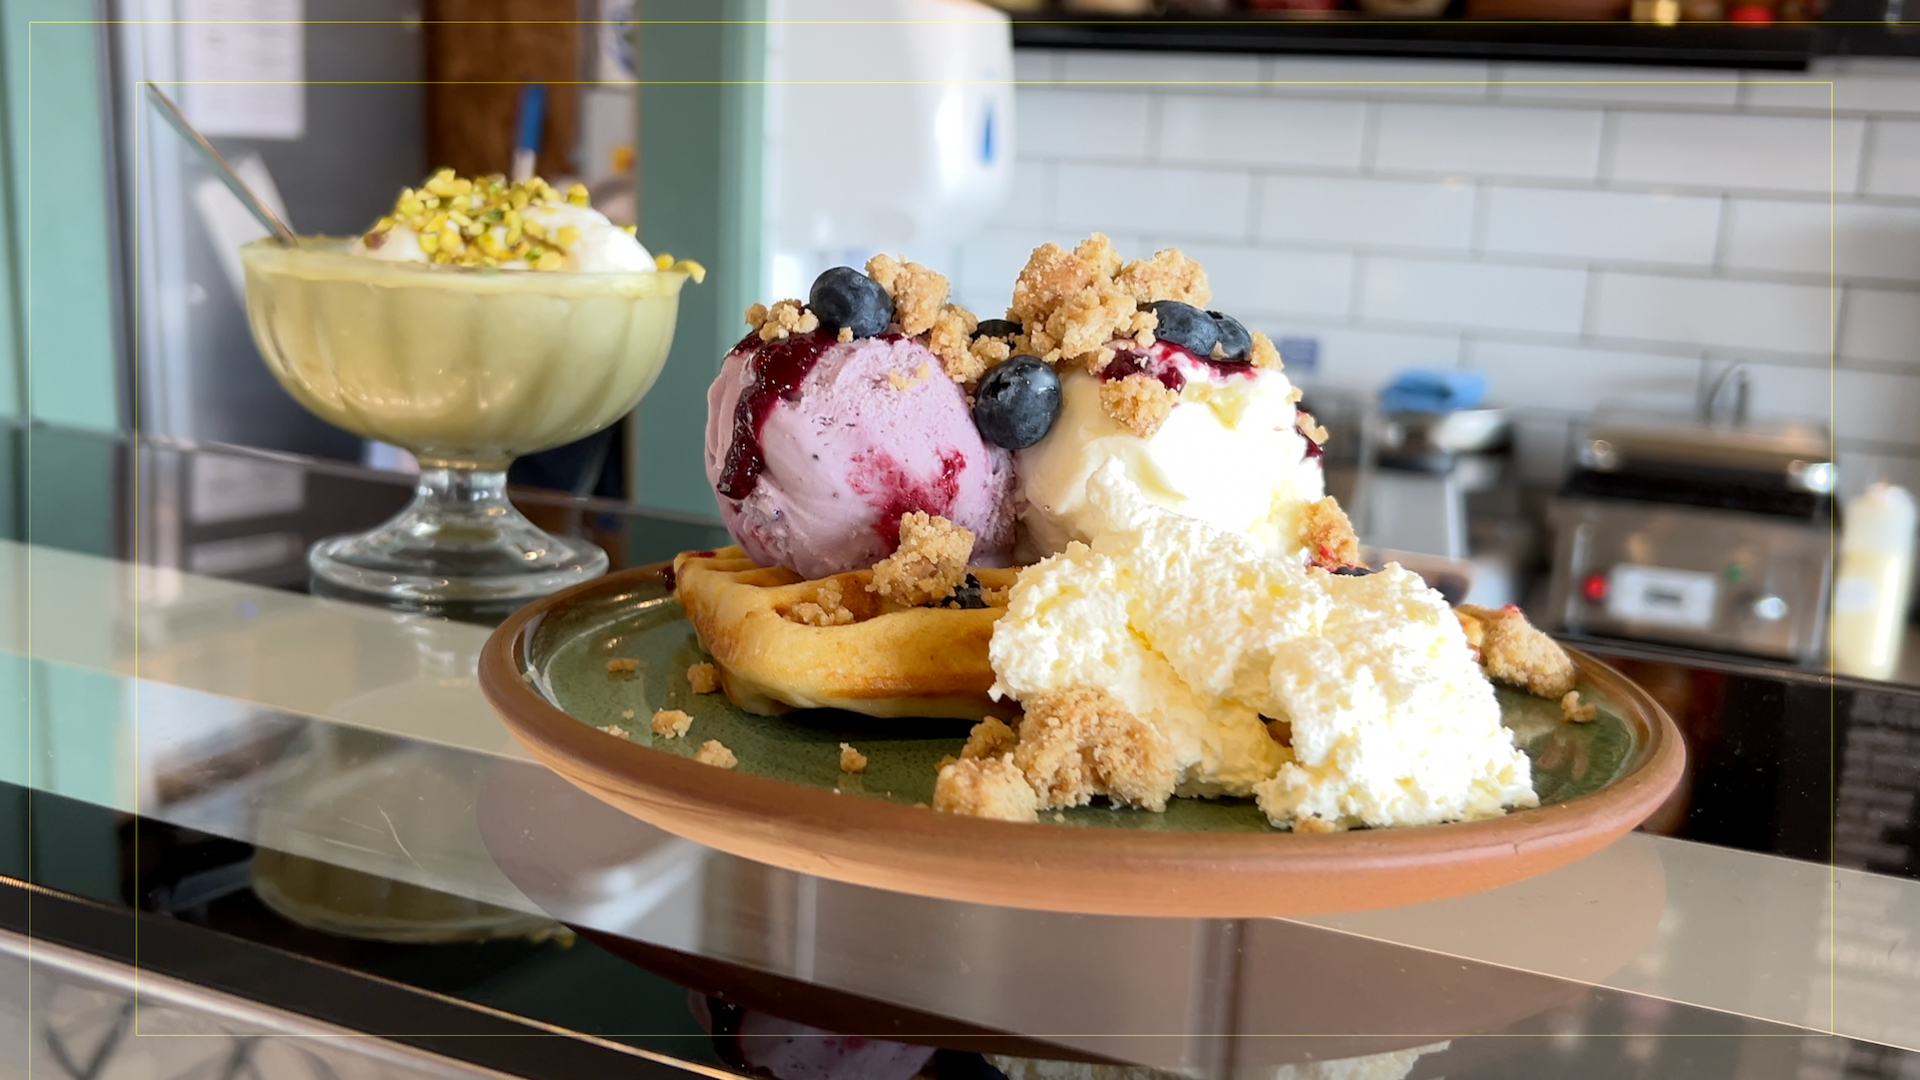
[(1725, 402)]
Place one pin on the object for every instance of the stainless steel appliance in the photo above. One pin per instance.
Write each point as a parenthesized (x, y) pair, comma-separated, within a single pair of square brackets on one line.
[(1698, 532), (1426, 466)]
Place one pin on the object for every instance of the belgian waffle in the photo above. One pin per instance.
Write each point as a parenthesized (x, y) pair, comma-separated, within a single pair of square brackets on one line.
[(884, 661)]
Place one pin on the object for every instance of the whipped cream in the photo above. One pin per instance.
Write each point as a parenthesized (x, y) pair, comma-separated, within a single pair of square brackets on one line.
[(1207, 634), (1228, 454)]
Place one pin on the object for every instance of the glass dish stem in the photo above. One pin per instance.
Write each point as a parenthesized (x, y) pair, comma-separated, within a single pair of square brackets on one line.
[(460, 539)]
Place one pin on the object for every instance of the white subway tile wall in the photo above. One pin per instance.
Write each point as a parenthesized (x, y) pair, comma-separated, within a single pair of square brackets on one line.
[(1577, 233), (1893, 165)]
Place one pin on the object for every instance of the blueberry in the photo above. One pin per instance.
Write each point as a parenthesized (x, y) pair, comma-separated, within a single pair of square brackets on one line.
[(967, 597), (845, 297), (1235, 343), (1186, 326), (1352, 571), (996, 328), (1017, 402)]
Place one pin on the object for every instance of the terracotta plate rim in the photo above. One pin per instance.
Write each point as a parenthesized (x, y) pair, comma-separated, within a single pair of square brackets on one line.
[(582, 753)]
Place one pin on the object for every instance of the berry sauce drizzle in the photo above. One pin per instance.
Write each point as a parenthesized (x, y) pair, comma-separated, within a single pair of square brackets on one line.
[(1161, 360), (775, 370), (892, 491)]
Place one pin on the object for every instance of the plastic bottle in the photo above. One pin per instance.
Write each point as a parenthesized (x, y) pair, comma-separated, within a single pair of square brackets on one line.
[(1871, 589)]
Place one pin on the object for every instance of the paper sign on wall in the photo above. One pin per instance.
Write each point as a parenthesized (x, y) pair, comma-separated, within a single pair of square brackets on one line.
[(243, 66)]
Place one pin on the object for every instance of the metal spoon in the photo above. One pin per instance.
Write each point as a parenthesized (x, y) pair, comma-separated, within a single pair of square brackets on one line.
[(221, 169)]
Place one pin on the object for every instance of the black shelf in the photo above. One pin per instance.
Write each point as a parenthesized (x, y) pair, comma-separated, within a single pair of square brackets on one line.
[(1784, 48)]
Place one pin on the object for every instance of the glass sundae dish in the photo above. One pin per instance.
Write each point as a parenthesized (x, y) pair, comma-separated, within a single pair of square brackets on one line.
[(479, 322)]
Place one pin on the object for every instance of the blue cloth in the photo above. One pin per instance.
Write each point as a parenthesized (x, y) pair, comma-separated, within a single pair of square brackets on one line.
[(1428, 391)]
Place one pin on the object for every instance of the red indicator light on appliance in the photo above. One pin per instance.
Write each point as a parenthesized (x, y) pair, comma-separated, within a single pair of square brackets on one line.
[(1594, 588)]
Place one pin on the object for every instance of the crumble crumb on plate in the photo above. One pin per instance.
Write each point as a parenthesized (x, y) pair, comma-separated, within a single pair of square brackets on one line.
[(1575, 711), (713, 753), (851, 760), (1516, 653), (985, 787), (703, 678), (671, 723), (990, 737), (1082, 742)]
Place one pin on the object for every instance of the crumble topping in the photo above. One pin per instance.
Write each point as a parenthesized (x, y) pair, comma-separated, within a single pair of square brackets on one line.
[(1294, 394), (1098, 253), (1139, 403), (1071, 304), (851, 760), (989, 738), (614, 729), (1168, 275), (951, 339), (1087, 320), (918, 293), (1050, 276), (1516, 653), (704, 678), (1096, 361), (623, 665), (1082, 742), (671, 723), (827, 608), (988, 352), (1310, 427), (1307, 823), (1265, 355), (713, 753), (908, 382), (929, 564), (1330, 536), (784, 318), (845, 335), (985, 787), (1068, 303), (1143, 325), (1574, 711)]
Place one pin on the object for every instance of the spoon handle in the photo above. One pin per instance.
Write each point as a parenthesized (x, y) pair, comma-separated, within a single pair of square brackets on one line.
[(220, 168)]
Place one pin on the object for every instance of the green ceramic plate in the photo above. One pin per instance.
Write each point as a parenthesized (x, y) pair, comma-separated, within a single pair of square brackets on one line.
[(545, 672), (569, 658)]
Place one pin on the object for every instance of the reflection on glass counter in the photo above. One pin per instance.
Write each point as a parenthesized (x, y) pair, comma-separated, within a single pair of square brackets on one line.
[(309, 804)]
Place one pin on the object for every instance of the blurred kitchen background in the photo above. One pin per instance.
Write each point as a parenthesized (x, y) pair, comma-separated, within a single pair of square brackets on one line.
[(1608, 306)]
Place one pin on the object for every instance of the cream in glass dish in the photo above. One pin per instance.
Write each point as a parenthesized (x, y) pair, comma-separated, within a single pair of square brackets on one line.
[(479, 321)]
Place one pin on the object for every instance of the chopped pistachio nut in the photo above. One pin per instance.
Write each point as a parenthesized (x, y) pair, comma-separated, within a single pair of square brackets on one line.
[(482, 221)]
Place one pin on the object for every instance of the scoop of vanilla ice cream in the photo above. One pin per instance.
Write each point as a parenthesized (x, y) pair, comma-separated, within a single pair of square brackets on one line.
[(1202, 633), (602, 246), (1228, 454)]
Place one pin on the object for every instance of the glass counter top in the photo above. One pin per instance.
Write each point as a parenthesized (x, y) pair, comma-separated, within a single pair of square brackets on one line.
[(364, 794)]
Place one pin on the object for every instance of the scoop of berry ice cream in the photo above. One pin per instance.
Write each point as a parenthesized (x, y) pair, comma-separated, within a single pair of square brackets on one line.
[(815, 447)]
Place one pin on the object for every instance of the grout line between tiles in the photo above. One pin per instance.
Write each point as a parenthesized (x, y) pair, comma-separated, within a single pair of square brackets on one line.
[(1370, 170), (1156, 106), (1482, 210), (1609, 146), (1369, 137), (1723, 235), (1869, 149)]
